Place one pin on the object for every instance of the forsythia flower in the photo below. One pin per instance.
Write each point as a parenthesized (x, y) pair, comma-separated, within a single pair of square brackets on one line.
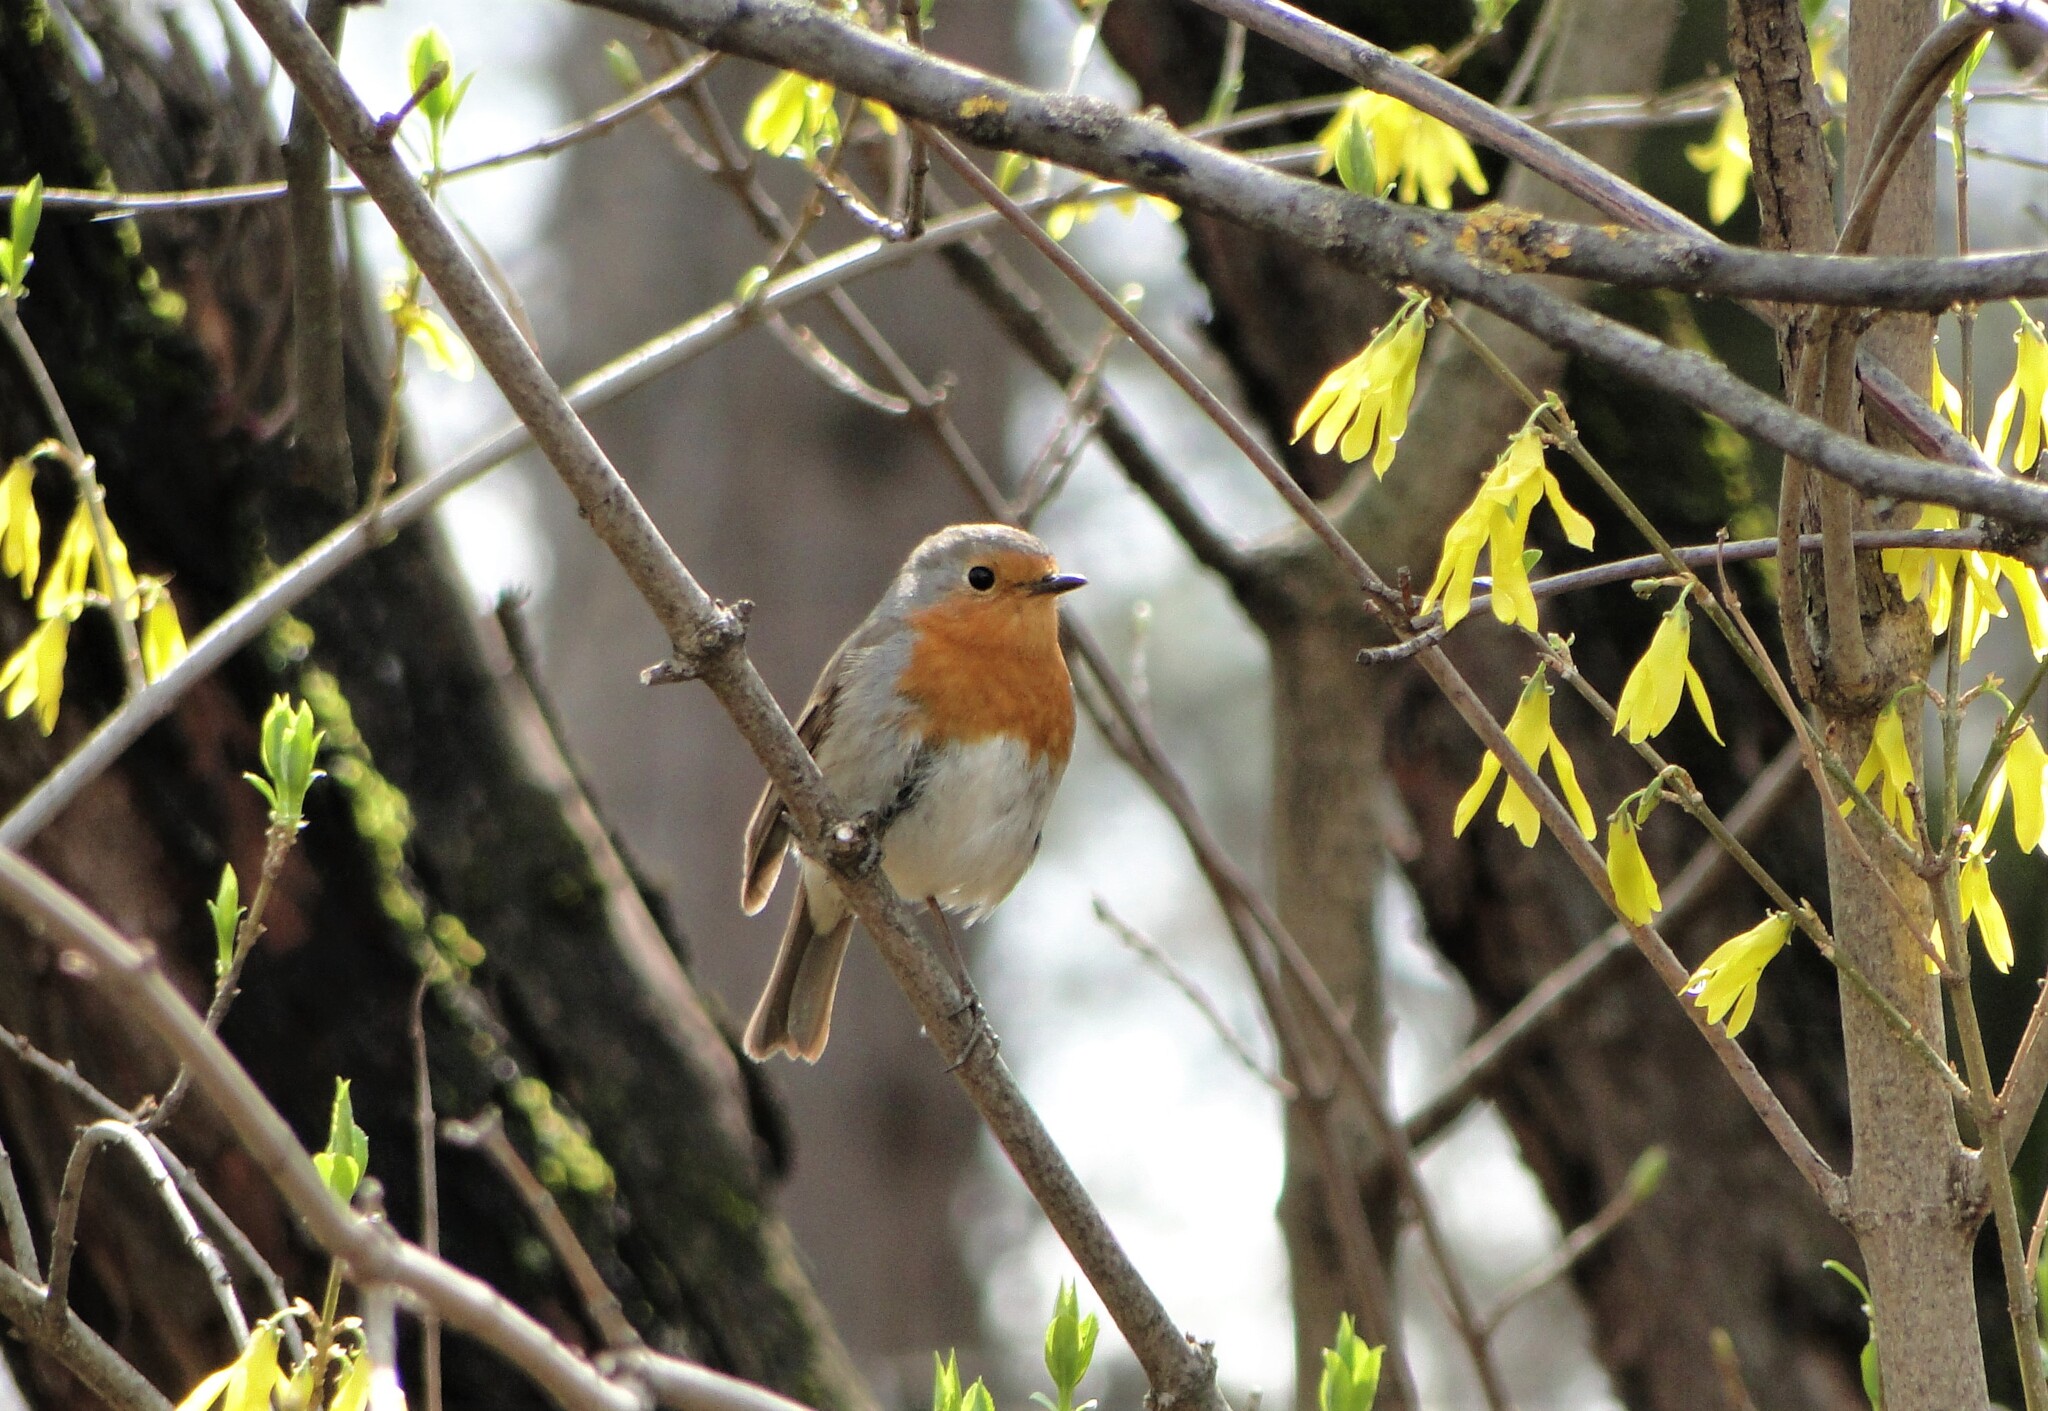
[(1724, 157), (1649, 699), (1888, 762), (2024, 771), (1628, 871), (1497, 521), (1946, 399), (1411, 150), (1725, 986), (34, 675), (1930, 573), (1528, 730), (63, 592), (2024, 400), (163, 639), (1366, 400), (21, 528), (438, 342), (1061, 220), (244, 1384), (795, 113), (1973, 887)]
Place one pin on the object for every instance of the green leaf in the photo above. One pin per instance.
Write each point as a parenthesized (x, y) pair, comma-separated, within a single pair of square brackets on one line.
[(1069, 1344), (428, 50), (1009, 167), (1357, 166), (1873, 1383), (227, 912), (750, 284), (946, 1382), (1648, 1172), (347, 1155), (1351, 1372), (290, 744), (625, 68), (977, 1398), (25, 216)]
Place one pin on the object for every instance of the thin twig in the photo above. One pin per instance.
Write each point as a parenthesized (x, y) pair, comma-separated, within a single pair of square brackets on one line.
[(1153, 954), (64, 1240), (21, 1245), (1576, 1245), (430, 1186), (486, 1133)]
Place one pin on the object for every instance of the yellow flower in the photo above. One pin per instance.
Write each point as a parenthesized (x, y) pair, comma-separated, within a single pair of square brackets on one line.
[(2024, 400), (1628, 871), (1947, 400), (1928, 572), (244, 1384), (1497, 521), (1061, 220), (1649, 698), (1724, 157), (2026, 768), (34, 675), (1410, 150), (1725, 986), (63, 592), (21, 528), (1887, 762), (1528, 730), (436, 339), (1973, 886), (1366, 400), (792, 112), (163, 639)]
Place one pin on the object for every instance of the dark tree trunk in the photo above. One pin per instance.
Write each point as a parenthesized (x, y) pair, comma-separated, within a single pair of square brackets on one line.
[(451, 839)]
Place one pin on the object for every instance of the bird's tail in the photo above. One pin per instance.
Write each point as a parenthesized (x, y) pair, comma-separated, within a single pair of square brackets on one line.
[(794, 1015)]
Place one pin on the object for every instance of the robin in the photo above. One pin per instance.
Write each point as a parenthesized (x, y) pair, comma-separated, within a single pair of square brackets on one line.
[(945, 722)]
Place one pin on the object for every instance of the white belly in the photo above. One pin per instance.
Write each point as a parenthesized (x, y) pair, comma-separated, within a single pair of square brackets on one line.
[(973, 828)]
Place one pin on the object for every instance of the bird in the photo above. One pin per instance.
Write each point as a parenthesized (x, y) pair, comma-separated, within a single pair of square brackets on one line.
[(944, 722)]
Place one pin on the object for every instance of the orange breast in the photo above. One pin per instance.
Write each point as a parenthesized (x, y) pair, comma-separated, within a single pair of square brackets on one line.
[(982, 668)]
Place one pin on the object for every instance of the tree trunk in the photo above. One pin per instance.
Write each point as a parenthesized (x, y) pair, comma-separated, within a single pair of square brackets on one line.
[(450, 837)]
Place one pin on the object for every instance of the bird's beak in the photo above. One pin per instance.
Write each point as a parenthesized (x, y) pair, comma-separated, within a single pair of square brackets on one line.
[(1054, 583)]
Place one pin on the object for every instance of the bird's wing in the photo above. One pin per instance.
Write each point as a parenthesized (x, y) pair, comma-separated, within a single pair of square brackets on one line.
[(767, 839)]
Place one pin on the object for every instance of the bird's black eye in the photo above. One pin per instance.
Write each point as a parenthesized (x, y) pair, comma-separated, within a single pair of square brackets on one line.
[(981, 578)]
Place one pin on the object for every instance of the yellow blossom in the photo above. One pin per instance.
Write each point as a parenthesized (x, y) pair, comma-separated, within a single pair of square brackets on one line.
[(2024, 400), (163, 639), (793, 112), (63, 592), (1061, 219), (2025, 768), (244, 1384), (1725, 986), (34, 675), (436, 339), (1927, 572), (1947, 400), (1528, 730), (1497, 521), (1973, 887), (1888, 763), (1628, 871), (1724, 157), (1365, 402), (1411, 151), (1649, 698), (21, 528)]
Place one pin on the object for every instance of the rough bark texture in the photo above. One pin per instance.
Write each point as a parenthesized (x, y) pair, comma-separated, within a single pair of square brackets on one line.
[(450, 832), (1735, 1240)]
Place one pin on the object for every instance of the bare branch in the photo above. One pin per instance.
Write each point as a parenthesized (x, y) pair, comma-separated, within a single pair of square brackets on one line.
[(81, 1350), (486, 1133), (64, 1242), (21, 1245)]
